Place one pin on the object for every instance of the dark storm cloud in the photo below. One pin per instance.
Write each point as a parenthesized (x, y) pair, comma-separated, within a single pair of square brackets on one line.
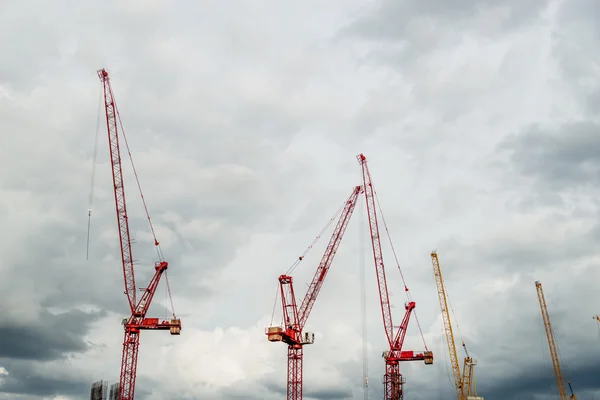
[(516, 352), (541, 383), (558, 157), (23, 379), (50, 338)]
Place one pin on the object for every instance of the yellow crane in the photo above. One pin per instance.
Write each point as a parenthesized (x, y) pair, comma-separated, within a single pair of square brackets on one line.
[(562, 391), (465, 385)]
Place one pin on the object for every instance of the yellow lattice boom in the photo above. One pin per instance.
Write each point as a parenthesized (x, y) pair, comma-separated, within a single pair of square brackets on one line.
[(441, 290), (562, 391)]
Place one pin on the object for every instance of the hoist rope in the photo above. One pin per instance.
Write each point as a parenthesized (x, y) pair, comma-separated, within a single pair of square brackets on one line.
[(399, 269), (456, 322), (137, 180), (363, 303), (169, 292), (275, 306), (93, 179), (299, 259), (443, 339), (141, 193)]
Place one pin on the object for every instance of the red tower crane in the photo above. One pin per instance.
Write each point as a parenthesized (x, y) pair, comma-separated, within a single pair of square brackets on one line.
[(392, 380), (137, 321), (295, 319)]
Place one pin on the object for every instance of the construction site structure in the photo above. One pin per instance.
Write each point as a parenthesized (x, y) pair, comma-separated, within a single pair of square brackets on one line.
[(393, 380), (560, 383), (99, 390), (465, 384), (292, 333), (114, 391), (137, 321)]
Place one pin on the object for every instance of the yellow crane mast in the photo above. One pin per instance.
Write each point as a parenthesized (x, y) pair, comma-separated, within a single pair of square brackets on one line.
[(562, 391), (464, 384), (468, 377)]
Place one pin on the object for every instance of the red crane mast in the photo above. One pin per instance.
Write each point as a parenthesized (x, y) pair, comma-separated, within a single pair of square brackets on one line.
[(137, 321), (295, 319), (392, 380)]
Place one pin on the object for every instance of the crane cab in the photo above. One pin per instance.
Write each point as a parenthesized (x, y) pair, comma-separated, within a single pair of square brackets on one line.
[(308, 338)]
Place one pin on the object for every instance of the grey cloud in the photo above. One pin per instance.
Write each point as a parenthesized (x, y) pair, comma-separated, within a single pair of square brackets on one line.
[(503, 353), (559, 158), (422, 26), (542, 383), (24, 380), (410, 38), (225, 151), (185, 135), (53, 337), (576, 48), (330, 394)]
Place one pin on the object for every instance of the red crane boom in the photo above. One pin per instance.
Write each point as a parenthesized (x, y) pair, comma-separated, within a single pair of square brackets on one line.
[(137, 320), (295, 319), (392, 380)]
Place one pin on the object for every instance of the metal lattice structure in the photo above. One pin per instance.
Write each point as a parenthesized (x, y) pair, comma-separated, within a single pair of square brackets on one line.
[(393, 381), (137, 321), (295, 317), (553, 346)]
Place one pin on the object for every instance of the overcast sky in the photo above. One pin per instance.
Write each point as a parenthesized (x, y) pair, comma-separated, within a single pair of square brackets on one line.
[(479, 121)]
